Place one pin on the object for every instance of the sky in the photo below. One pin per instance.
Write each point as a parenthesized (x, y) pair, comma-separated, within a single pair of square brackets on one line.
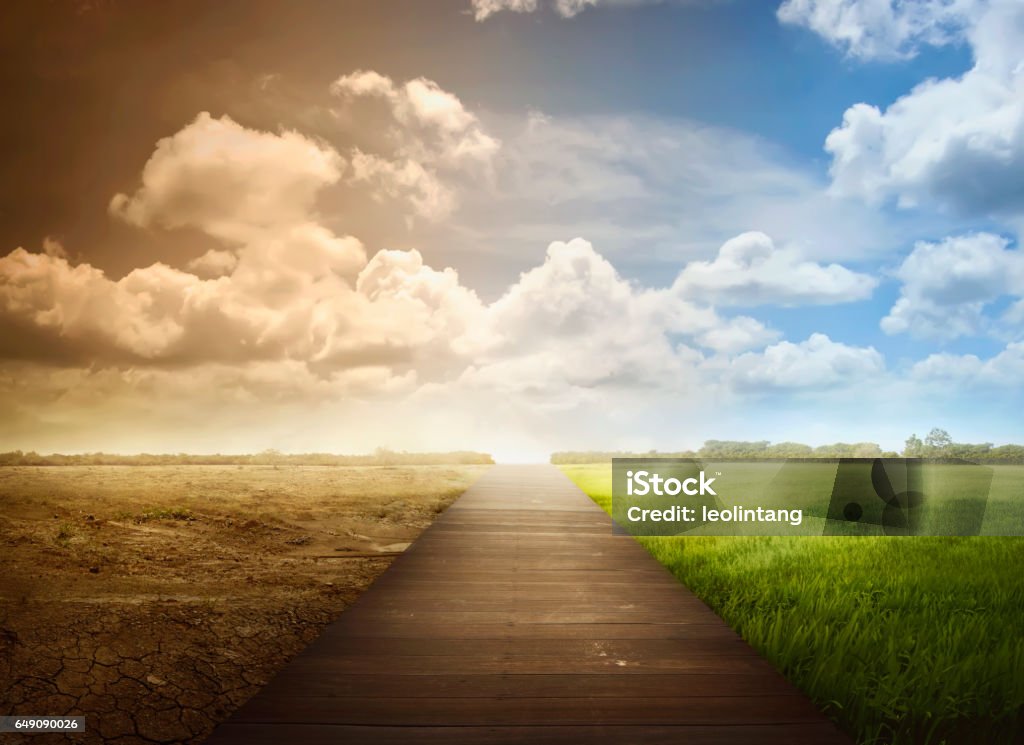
[(513, 226)]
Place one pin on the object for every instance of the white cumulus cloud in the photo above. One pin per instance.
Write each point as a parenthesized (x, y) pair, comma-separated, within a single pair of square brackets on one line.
[(881, 29), (284, 289), (214, 263), (955, 142), (751, 270), (229, 181), (947, 286), (573, 324), (433, 138), (817, 362), (1004, 369), (483, 9)]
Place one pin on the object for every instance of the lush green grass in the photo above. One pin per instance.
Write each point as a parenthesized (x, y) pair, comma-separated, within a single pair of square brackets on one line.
[(902, 640)]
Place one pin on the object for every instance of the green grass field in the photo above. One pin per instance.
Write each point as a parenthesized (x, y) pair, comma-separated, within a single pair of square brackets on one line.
[(900, 640)]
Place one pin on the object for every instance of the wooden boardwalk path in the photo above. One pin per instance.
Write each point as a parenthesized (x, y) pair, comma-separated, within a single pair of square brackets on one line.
[(518, 617)]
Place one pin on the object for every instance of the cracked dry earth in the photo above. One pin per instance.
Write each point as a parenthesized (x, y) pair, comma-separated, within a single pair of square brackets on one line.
[(155, 600)]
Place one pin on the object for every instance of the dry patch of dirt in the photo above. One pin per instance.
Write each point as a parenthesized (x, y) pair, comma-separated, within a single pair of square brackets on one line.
[(155, 600)]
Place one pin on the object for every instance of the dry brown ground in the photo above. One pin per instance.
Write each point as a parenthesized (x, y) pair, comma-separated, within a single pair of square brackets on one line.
[(155, 600)]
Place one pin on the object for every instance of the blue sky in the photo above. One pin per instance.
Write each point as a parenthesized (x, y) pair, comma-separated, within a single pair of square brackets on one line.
[(733, 65), (730, 63)]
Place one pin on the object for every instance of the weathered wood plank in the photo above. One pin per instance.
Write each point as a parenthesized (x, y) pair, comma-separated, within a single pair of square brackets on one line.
[(739, 662), (816, 733), (710, 628), (524, 711), (693, 685)]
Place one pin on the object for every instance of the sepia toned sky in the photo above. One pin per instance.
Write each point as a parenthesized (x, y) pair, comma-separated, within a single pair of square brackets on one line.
[(509, 225)]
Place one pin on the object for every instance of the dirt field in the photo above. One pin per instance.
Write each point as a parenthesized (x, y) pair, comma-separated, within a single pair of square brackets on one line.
[(155, 600)]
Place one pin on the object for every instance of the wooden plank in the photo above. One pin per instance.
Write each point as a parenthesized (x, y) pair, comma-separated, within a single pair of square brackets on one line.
[(419, 575), (442, 583), (291, 682), (816, 733), (524, 711), (526, 616), (519, 617), (640, 650), (740, 662), (511, 606), (711, 628)]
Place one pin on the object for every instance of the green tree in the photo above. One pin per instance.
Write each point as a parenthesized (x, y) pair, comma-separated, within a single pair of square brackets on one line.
[(913, 447), (937, 442)]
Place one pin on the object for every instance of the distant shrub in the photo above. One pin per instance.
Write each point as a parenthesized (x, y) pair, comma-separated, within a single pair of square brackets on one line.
[(65, 533), (166, 513), (765, 450)]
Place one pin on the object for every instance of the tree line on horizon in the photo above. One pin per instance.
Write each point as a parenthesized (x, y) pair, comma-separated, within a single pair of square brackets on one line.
[(936, 444), (380, 457)]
